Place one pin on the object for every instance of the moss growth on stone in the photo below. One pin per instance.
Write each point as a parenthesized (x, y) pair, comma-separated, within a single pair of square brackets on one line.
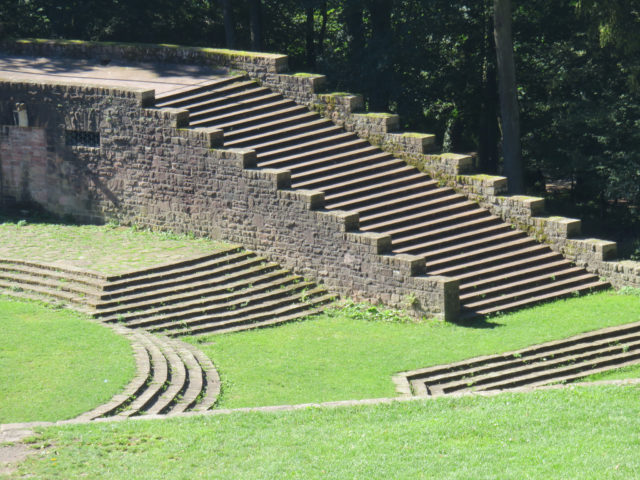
[(306, 75), (377, 115), (416, 135), (218, 51)]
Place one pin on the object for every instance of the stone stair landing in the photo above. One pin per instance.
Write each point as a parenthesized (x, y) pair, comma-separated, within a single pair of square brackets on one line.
[(499, 267)]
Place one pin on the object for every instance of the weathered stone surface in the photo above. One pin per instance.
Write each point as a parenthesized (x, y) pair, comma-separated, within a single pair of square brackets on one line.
[(149, 172)]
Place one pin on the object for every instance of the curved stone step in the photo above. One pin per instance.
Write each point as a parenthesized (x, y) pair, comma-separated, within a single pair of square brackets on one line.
[(171, 377)]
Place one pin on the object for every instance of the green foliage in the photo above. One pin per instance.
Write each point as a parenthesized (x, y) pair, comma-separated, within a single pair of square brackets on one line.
[(433, 63)]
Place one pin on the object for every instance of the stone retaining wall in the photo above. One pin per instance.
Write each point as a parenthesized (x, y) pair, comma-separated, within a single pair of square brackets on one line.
[(347, 110), (150, 172)]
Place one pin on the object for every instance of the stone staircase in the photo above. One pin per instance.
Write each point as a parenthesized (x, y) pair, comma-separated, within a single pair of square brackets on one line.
[(172, 377), (553, 362), (229, 290), (499, 267), (66, 285)]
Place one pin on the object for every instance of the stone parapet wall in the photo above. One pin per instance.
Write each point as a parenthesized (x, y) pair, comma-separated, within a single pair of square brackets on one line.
[(151, 172), (249, 62)]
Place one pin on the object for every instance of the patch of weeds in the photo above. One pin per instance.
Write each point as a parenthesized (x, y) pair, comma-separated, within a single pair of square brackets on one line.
[(369, 313), (629, 291)]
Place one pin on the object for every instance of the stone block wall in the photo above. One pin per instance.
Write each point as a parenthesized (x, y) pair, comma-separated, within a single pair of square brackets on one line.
[(347, 110), (149, 171)]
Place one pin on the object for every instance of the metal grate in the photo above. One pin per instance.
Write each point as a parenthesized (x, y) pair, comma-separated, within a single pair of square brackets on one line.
[(76, 138)]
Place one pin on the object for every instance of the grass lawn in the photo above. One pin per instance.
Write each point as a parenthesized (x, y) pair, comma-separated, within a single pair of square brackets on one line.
[(586, 433), (107, 249), (341, 355), (56, 364)]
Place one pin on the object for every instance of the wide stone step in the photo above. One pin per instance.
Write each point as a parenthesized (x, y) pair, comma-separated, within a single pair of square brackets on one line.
[(473, 247), (275, 129), (228, 117), (93, 280), (241, 316), (29, 278), (13, 288), (288, 136), (393, 212), (240, 99), (502, 286), (545, 372), (339, 166), (223, 297), (305, 142), (500, 264), (406, 243), (270, 114), (360, 198), (547, 265), (511, 367), (384, 201), (534, 296), (183, 96), (188, 281), (442, 242), (404, 224), (282, 314), (205, 291), (357, 175), (174, 269), (249, 302), (304, 159), (510, 249), (559, 360), (292, 137)]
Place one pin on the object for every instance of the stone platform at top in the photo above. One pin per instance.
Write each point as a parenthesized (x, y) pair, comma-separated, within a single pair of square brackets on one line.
[(162, 77)]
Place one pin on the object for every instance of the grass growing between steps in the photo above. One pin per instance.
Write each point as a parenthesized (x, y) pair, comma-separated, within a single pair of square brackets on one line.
[(341, 355), (56, 364), (577, 433), (107, 249)]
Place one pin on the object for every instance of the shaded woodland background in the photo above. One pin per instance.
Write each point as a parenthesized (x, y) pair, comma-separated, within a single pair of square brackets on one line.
[(433, 63)]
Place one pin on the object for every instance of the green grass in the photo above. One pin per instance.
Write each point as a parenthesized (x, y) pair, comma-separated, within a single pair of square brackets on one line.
[(56, 364), (106, 249), (586, 433), (341, 355), (632, 371)]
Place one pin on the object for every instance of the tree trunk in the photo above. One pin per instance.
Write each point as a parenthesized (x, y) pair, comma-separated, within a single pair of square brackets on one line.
[(355, 31), (508, 96), (229, 25), (310, 40), (255, 11), (379, 49), (488, 134), (323, 29)]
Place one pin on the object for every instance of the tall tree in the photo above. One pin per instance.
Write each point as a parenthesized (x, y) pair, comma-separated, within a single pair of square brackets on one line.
[(509, 111), (255, 13), (310, 35), (379, 52), (229, 24)]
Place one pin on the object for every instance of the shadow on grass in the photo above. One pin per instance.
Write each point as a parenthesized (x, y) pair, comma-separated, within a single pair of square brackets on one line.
[(470, 319)]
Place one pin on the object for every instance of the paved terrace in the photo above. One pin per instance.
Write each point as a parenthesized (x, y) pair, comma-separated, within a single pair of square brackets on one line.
[(163, 78)]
